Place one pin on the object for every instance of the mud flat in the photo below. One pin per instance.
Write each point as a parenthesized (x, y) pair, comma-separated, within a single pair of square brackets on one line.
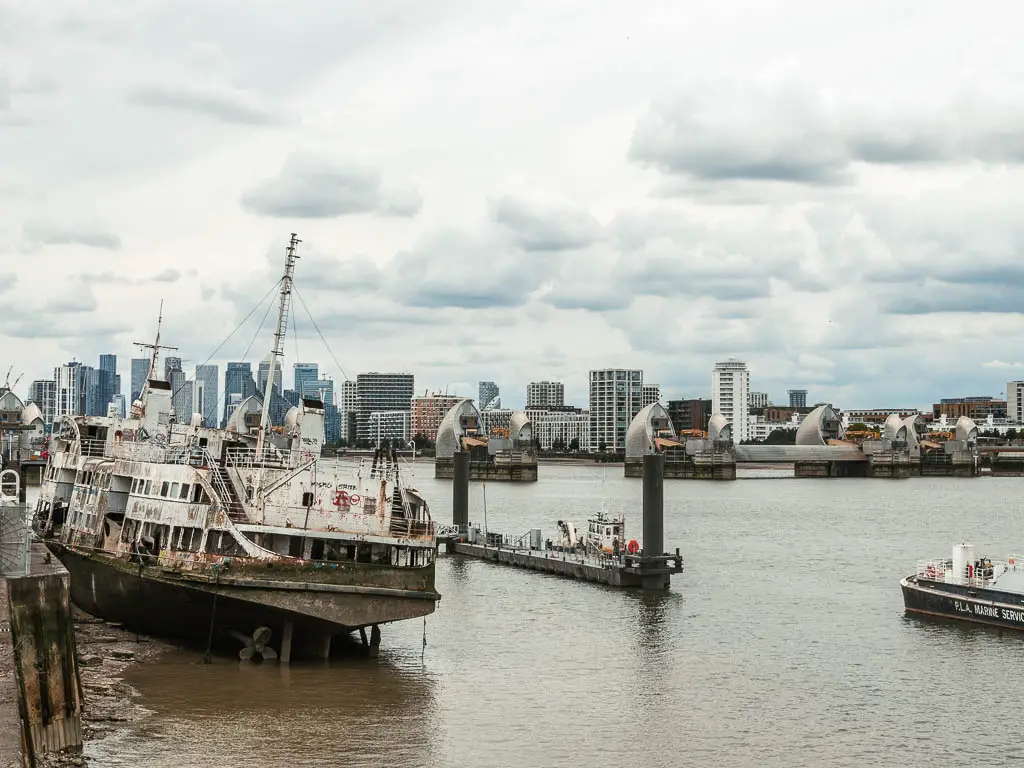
[(106, 651)]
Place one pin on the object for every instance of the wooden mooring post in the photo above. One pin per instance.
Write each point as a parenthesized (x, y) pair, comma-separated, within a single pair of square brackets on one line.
[(45, 665)]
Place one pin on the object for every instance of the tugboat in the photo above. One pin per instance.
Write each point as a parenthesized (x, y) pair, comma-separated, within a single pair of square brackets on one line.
[(965, 588), (190, 531), (604, 535)]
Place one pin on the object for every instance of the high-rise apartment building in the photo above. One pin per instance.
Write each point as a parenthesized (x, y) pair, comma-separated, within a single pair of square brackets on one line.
[(305, 377), (757, 400), (207, 394), (427, 412), (140, 370), (490, 396), (389, 426), (797, 398), (545, 394), (651, 394), (348, 408), (71, 382), (381, 392), (43, 392), (1015, 402), (616, 396), (691, 414), (730, 393)]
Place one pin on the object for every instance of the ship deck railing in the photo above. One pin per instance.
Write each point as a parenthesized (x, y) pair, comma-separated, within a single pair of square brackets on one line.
[(269, 457), (937, 570)]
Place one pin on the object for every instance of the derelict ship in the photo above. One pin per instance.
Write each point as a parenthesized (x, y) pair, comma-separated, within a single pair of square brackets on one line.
[(182, 530), (966, 588)]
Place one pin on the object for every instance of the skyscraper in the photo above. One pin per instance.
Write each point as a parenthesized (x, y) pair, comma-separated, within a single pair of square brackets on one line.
[(263, 371), (544, 394), (489, 395), (306, 375), (730, 394), (140, 370), (379, 393), (238, 385), (616, 396), (108, 381), (207, 393)]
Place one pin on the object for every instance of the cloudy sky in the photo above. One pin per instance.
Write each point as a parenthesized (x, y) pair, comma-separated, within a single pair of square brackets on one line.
[(516, 191)]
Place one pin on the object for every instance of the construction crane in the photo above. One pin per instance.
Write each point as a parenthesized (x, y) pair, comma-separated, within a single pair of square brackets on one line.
[(7, 379)]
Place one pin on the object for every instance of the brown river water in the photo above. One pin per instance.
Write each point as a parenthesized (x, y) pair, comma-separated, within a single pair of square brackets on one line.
[(783, 643)]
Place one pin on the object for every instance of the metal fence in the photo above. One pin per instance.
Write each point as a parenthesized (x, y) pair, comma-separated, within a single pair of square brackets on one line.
[(15, 536)]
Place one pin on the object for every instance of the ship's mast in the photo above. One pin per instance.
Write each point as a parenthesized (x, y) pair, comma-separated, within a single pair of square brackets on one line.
[(156, 347), (278, 351)]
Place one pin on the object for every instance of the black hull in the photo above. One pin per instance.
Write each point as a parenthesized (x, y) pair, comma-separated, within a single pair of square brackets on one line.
[(145, 601), (977, 606)]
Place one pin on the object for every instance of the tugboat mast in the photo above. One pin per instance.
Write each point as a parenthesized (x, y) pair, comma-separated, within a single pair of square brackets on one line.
[(278, 350)]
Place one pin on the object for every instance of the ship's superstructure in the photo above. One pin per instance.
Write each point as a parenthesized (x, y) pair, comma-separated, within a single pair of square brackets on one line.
[(181, 529)]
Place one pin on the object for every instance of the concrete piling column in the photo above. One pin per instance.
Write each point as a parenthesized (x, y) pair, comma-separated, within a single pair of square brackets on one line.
[(460, 491), (374, 640), (286, 643), (654, 504)]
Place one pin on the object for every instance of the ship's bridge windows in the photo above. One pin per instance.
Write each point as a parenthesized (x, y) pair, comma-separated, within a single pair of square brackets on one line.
[(174, 491), (184, 491), (149, 485), (164, 488)]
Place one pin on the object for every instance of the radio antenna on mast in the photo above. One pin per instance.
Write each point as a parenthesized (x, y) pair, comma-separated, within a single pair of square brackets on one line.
[(155, 346)]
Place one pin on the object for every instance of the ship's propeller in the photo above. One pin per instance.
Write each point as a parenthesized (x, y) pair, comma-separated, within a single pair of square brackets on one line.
[(256, 645)]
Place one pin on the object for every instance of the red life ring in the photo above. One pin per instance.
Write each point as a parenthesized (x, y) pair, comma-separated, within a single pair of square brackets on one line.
[(633, 547), (341, 499), (930, 572)]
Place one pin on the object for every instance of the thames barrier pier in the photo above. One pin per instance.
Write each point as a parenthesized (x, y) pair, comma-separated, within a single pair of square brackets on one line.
[(821, 449), (504, 454), (619, 564)]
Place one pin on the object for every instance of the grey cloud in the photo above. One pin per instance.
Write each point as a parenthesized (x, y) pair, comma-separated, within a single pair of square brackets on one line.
[(452, 269), (540, 226), (94, 236), (223, 104), (168, 275), (79, 301), (946, 297), (207, 293), (314, 187), (108, 277), (8, 281), (791, 134), (104, 278)]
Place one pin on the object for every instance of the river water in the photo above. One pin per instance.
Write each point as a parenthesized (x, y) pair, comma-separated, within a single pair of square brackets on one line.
[(783, 643)]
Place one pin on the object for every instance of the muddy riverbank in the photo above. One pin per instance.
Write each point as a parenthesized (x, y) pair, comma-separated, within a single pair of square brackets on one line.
[(106, 651)]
